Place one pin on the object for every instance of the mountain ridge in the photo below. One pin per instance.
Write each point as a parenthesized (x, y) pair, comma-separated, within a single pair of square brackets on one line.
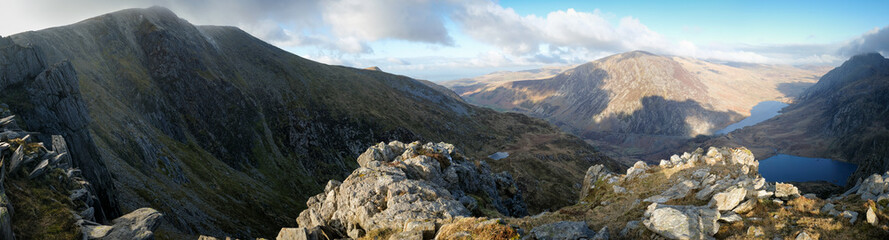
[(190, 118)]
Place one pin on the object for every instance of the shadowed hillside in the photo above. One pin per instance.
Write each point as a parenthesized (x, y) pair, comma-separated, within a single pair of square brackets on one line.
[(228, 135)]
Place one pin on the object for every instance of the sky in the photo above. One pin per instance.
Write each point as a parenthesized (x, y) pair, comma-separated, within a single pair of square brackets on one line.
[(452, 39)]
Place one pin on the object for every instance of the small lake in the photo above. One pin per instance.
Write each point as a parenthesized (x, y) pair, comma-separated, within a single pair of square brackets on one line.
[(499, 155), (761, 112), (789, 168)]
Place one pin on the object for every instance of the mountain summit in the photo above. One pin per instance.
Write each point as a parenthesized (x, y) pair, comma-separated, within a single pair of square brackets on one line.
[(229, 136)]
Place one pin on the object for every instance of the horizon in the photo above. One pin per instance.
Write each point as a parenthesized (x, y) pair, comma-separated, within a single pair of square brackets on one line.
[(455, 39)]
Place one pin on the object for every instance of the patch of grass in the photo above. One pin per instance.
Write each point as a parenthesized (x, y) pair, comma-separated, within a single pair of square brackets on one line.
[(41, 211), (477, 228)]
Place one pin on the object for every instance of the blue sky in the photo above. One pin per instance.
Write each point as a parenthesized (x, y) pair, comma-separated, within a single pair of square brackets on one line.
[(450, 39)]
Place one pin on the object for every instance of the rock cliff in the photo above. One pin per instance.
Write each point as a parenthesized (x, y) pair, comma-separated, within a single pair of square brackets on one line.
[(47, 96)]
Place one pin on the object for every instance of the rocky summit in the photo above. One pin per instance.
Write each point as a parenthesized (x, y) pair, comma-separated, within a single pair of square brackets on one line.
[(415, 191)]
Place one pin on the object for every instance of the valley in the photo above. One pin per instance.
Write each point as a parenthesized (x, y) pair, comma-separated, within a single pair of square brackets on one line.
[(364, 120)]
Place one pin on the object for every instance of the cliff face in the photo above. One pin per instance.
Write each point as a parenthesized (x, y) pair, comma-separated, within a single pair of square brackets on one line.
[(48, 99), (228, 135), (842, 117)]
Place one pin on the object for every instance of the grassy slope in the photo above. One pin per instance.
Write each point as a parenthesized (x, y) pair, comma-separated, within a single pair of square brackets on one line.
[(299, 123)]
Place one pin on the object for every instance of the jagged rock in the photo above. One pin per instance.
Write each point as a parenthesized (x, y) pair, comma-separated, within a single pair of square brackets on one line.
[(677, 191), (602, 234), (851, 215), (16, 160), (426, 229), (636, 170), (871, 216), (706, 192), (804, 236), (786, 191), (7, 120), (729, 199), (730, 217), (872, 187), (138, 224), (6, 224), (39, 169), (564, 230), (745, 206), (593, 175), (631, 225), (422, 183), (681, 222), (827, 208)]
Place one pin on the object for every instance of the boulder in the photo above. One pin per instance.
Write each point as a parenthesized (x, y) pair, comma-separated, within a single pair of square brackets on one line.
[(636, 170), (298, 234), (681, 222), (680, 190), (564, 230), (40, 169), (804, 236), (851, 215), (729, 199), (426, 229), (871, 216), (602, 234), (594, 174), (137, 225), (745, 206), (786, 191), (630, 226), (730, 217)]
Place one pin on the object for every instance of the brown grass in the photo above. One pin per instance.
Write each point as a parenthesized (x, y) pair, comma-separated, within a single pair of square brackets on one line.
[(477, 230)]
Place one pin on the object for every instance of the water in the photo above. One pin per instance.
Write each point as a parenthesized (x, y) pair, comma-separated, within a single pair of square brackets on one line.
[(761, 112), (789, 168), (499, 155)]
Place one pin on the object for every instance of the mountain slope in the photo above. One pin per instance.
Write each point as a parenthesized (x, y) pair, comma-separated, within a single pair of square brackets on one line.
[(228, 135), (843, 116), (637, 98)]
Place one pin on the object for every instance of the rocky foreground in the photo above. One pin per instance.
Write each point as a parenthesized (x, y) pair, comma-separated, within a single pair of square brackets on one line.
[(49, 197), (415, 191)]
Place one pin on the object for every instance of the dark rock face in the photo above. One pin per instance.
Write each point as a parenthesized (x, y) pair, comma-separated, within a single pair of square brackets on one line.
[(49, 100)]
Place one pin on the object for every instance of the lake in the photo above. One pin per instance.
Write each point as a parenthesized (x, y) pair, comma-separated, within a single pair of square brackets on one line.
[(761, 112), (789, 168)]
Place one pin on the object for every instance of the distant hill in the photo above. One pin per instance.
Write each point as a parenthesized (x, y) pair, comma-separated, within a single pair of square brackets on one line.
[(844, 116), (227, 135), (638, 100)]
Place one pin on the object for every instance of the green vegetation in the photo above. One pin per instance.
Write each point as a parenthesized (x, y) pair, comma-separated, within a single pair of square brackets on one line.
[(41, 211)]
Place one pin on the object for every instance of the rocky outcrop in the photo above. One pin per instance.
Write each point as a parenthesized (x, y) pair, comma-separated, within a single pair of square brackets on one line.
[(681, 222), (47, 97), (136, 225), (875, 187), (399, 183)]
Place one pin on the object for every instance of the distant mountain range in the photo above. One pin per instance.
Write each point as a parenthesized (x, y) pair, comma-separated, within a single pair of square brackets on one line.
[(844, 116), (227, 135), (637, 100)]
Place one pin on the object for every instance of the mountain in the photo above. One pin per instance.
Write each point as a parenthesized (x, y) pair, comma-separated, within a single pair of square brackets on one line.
[(843, 116), (637, 99), (228, 135), (461, 86)]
